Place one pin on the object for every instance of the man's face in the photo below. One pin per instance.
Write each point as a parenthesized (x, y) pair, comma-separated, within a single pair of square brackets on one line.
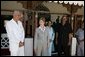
[(18, 16)]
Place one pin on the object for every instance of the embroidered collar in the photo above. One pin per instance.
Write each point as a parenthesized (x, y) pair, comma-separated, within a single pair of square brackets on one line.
[(43, 29)]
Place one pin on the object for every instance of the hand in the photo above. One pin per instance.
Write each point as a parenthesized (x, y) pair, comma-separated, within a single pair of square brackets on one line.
[(69, 43), (21, 44), (56, 42)]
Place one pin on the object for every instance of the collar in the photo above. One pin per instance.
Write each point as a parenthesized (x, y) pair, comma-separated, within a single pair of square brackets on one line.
[(15, 21), (43, 29)]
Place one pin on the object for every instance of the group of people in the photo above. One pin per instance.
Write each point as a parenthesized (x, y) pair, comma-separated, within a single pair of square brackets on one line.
[(16, 35), (43, 38)]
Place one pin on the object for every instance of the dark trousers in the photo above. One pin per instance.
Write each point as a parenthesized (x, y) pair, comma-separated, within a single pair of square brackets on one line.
[(65, 49)]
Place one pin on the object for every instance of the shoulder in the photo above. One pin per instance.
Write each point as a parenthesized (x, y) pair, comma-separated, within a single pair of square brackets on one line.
[(20, 22), (67, 24), (79, 29), (9, 22), (59, 25), (46, 27)]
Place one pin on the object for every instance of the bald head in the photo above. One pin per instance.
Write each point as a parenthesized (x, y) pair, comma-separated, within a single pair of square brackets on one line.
[(17, 15)]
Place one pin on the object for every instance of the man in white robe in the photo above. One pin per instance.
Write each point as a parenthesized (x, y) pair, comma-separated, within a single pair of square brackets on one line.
[(16, 35)]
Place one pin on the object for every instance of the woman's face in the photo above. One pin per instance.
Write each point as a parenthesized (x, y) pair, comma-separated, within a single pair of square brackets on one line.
[(64, 19), (41, 22), (49, 23)]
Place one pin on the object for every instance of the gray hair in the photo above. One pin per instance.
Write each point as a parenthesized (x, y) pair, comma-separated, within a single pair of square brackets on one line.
[(17, 12)]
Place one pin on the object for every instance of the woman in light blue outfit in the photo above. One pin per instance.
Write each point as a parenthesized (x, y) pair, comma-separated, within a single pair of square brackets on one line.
[(80, 39), (51, 34)]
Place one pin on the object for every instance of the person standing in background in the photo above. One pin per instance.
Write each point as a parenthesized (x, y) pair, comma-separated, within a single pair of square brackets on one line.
[(16, 35), (80, 38), (51, 34), (63, 39)]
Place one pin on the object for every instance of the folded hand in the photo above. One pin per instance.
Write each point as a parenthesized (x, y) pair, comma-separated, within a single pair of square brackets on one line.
[(21, 44)]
